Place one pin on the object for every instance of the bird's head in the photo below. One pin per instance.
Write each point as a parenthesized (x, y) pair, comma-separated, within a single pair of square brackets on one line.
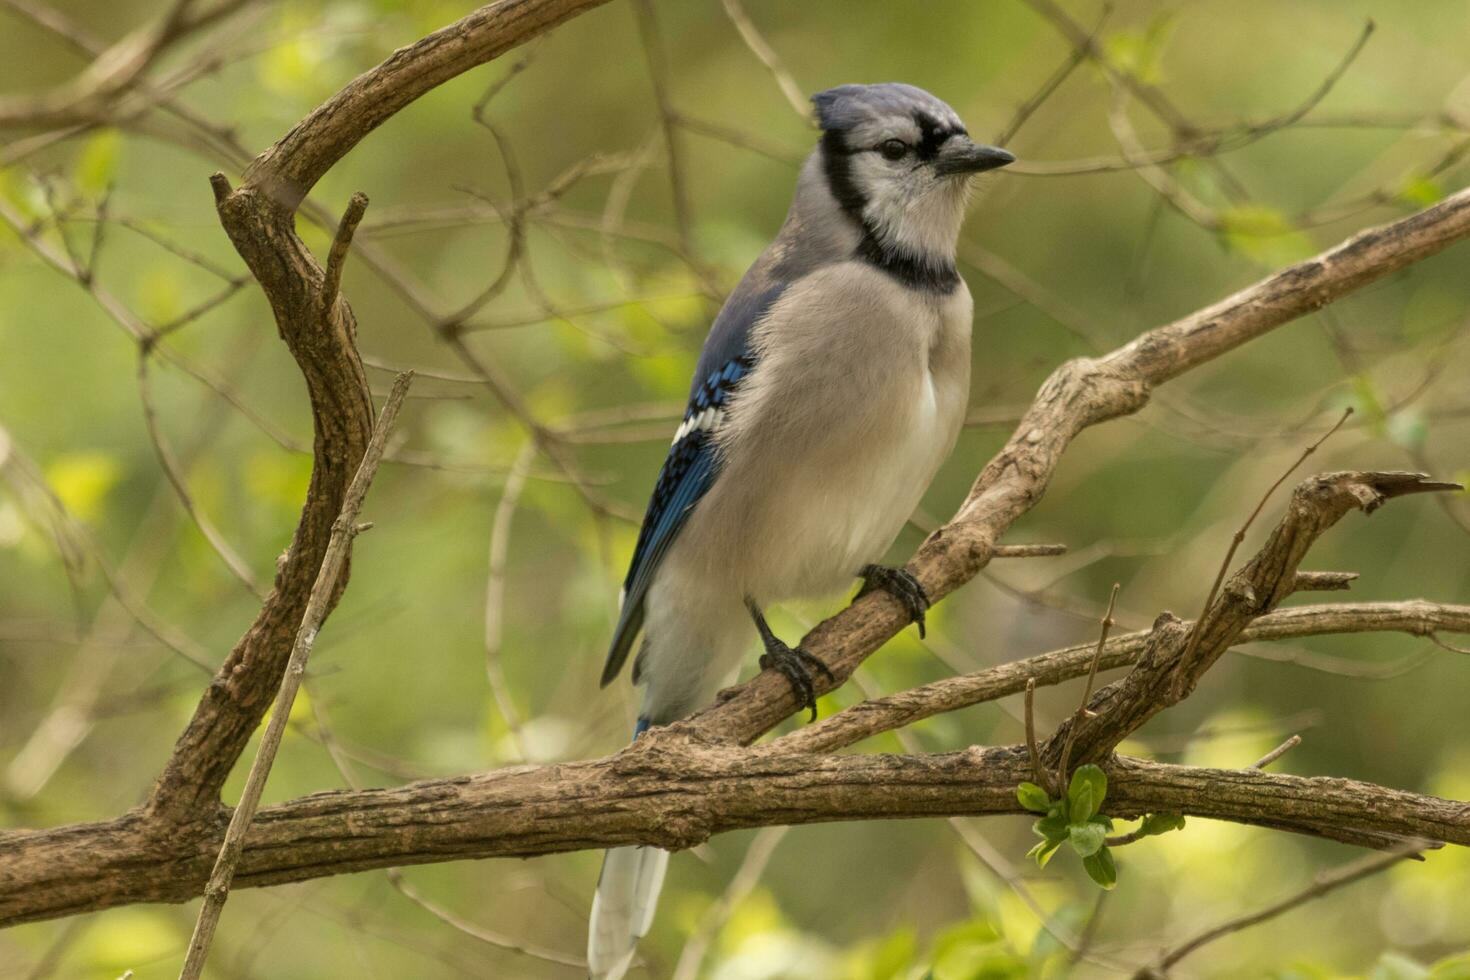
[(898, 161)]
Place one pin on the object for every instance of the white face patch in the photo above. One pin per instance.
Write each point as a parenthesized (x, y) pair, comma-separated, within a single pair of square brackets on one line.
[(909, 205)]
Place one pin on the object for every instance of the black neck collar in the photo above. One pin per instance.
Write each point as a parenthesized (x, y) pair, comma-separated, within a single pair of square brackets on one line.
[(914, 272)]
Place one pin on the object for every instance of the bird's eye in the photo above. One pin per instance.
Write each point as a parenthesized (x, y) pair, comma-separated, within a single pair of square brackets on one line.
[(893, 149)]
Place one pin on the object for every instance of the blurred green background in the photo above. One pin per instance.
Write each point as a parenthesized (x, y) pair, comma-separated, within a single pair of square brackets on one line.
[(600, 339)]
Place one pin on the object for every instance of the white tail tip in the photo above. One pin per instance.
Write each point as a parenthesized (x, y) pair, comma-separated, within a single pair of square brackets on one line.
[(622, 909)]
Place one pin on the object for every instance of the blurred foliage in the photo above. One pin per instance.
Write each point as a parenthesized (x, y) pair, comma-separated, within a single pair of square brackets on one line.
[(400, 675)]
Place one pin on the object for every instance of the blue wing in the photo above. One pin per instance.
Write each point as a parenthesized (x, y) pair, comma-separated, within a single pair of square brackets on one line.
[(693, 462), (687, 474)]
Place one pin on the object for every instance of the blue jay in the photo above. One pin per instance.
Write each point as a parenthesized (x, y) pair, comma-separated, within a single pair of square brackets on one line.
[(832, 385)]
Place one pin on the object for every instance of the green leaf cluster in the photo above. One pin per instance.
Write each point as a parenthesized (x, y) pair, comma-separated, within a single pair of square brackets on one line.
[(1074, 819)]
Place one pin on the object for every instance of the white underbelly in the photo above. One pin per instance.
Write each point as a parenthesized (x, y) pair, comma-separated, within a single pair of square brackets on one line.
[(832, 520), (833, 439)]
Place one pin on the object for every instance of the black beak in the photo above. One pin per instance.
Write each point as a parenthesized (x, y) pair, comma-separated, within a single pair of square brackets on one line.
[(962, 155)]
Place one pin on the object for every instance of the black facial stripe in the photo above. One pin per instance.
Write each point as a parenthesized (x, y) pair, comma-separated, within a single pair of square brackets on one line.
[(933, 133), (837, 164)]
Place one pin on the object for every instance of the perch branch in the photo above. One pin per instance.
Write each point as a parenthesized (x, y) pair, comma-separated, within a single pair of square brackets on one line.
[(672, 791), (868, 718)]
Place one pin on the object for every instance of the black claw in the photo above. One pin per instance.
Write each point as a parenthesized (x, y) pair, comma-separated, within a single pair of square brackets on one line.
[(901, 584), (794, 663)]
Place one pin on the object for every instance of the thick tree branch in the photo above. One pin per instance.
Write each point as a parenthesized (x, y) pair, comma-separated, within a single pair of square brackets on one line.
[(287, 171), (320, 329), (344, 529), (669, 790), (323, 341), (877, 715)]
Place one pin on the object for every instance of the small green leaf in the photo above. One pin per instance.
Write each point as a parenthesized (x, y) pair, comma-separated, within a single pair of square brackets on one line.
[(1086, 838), (1263, 234), (1397, 966), (1043, 852), (1455, 967), (1052, 826), (97, 163), (1079, 802), (1139, 53), (1086, 793), (1106, 823), (1101, 869), (1161, 823), (1366, 400), (1407, 429), (1420, 192), (83, 480), (1033, 797)]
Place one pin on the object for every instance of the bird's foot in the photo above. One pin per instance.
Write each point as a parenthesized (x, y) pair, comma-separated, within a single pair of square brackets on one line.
[(796, 665), (901, 584)]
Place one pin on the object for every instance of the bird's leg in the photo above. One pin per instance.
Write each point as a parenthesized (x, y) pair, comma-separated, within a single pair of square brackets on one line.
[(899, 583), (794, 663)]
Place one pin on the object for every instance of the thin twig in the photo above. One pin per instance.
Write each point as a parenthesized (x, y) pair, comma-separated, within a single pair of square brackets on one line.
[(174, 248), (658, 73), (1029, 550), (1090, 927), (22, 471), (510, 499), (1075, 57), (344, 529), (1277, 752), (762, 49), (742, 883), (1174, 193), (498, 940), (1324, 884), (1082, 712), (98, 232), (341, 244), (1442, 644), (1235, 542), (987, 854), (175, 474), (1037, 771)]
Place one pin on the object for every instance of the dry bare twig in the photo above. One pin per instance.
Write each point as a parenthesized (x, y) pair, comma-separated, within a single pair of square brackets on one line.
[(1325, 883), (344, 529), (767, 55)]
